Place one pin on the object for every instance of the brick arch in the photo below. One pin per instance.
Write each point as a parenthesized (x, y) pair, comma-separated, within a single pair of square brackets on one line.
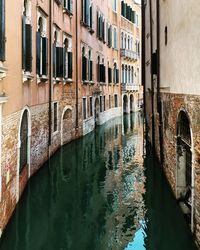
[(66, 125)]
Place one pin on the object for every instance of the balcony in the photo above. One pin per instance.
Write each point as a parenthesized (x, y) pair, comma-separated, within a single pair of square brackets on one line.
[(126, 87), (129, 54)]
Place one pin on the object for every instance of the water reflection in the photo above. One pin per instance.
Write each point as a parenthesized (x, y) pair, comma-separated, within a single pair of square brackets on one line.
[(97, 194)]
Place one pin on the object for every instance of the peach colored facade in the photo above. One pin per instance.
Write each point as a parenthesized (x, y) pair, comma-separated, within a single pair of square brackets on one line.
[(39, 112)]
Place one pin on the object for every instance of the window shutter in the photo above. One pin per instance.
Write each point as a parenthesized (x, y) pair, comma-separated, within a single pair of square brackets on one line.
[(122, 8), (103, 30), (23, 41), (59, 62), (70, 64), (2, 30), (84, 68), (87, 7), (101, 73), (125, 9), (91, 18), (91, 70), (104, 73), (38, 50), (28, 52), (70, 6), (117, 76), (54, 60), (98, 72), (85, 11), (44, 55)]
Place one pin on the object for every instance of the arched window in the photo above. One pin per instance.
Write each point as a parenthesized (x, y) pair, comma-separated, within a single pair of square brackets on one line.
[(128, 47), (98, 68), (122, 40), (126, 74), (90, 65), (41, 49), (66, 46), (27, 37), (125, 39), (129, 74), (122, 73)]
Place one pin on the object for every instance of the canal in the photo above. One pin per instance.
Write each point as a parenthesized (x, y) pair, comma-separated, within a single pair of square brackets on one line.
[(98, 193)]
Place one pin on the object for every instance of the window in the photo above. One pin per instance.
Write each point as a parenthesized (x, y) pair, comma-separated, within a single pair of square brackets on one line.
[(115, 38), (109, 101), (123, 73), (166, 36), (109, 74), (84, 65), (87, 12), (91, 106), (58, 67), (90, 66), (129, 74), (109, 35), (68, 5), (104, 103), (68, 60), (115, 74), (116, 100), (55, 117), (101, 108), (41, 49), (84, 109), (26, 38), (127, 12), (132, 75), (24, 141), (115, 5), (101, 71), (100, 27), (2, 30)]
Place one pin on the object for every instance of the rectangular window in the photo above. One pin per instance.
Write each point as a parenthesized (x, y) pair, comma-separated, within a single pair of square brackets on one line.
[(115, 5), (101, 108), (91, 106), (84, 68), (26, 45), (55, 117), (104, 103), (87, 13), (68, 5), (84, 109), (116, 100), (2, 30), (109, 101)]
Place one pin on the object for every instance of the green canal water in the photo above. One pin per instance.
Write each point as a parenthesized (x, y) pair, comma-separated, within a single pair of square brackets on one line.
[(97, 193)]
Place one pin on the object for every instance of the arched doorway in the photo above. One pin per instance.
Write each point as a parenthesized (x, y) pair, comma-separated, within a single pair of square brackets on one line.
[(184, 178), (24, 140), (125, 104), (131, 103), (66, 126), (96, 111)]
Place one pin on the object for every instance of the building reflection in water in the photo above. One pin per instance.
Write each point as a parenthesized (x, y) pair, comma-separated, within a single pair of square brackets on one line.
[(93, 194)]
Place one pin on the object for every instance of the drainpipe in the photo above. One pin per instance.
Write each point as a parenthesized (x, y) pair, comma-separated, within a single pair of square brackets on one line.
[(152, 84), (50, 67), (144, 65), (77, 65), (159, 103)]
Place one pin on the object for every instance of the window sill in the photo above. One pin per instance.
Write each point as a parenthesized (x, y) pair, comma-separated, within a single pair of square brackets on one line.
[(90, 29), (66, 11), (68, 80), (42, 79), (85, 82), (3, 99), (102, 83), (27, 76), (57, 80), (3, 71), (91, 82)]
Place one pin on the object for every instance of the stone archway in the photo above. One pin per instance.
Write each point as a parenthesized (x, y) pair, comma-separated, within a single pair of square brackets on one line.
[(66, 126), (24, 147), (96, 111), (131, 103), (184, 179), (125, 104)]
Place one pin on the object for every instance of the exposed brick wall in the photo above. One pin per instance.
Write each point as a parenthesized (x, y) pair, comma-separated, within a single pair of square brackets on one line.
[(172, 104)]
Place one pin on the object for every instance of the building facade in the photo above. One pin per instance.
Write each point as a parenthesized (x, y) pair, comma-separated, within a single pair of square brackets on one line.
[(130, 47), (60, 72), (172, 96)]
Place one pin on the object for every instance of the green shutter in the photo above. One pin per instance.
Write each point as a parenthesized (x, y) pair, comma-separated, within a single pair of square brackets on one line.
[(44, 56), (70, 64), (23, 41), (38, 50), (28, 61)]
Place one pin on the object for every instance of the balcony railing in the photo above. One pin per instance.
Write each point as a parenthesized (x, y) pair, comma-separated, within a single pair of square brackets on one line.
[(129, 54), (126, 87)]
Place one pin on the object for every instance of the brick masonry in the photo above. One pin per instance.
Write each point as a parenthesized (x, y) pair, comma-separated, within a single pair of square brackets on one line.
[(172, 105)]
